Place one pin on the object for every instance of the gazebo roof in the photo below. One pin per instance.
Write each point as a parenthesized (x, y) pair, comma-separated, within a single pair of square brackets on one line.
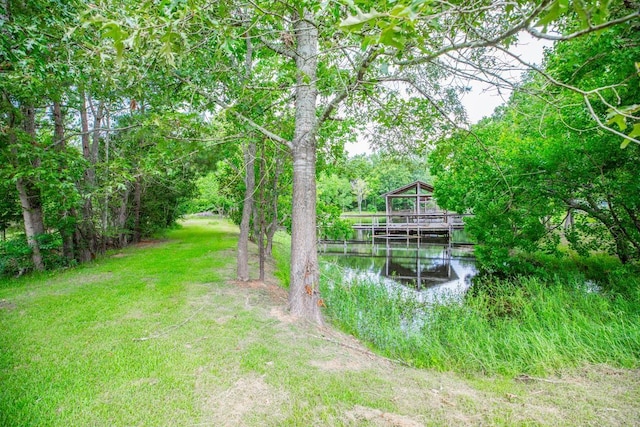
[(416, 187)]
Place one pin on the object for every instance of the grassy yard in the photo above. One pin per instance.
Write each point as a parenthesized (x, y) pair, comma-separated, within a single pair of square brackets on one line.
[(160, 335)]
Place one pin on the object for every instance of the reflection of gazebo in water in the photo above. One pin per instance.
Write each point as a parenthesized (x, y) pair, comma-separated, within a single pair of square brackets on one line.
[(420, 272)]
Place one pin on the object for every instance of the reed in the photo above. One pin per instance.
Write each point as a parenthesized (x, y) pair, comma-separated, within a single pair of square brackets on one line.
[(503, 326)]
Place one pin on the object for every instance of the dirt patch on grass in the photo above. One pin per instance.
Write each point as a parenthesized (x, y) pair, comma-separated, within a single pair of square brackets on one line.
[(378, 418), (149, 243), (6, 305), (247, 401), (275, 293)]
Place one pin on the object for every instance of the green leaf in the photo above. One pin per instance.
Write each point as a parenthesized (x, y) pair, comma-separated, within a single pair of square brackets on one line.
[(357, 21), (392, 36), (635, 132), (619, 120), (401, 11), (557, 8)]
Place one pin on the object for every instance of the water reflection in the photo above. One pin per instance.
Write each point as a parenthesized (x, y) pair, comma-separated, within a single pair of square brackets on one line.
[(426, 267)]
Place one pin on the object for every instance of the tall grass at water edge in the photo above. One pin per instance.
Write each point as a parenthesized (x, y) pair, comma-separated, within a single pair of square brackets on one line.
[(504, 326)]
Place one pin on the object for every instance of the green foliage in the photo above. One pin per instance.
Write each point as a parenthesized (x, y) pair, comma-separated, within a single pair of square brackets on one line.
[(523, 172), (335, 191), (10, 211), (405, 22), (209, 197), (330, 225), (15, 254)]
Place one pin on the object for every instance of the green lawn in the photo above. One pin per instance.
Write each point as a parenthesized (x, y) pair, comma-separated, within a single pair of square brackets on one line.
[(158, 335)]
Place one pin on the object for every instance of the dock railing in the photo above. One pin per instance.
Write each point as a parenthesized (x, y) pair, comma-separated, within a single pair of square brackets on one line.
[(404, 218)]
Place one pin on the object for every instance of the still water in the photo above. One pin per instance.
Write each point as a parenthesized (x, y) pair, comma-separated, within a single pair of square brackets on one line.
[(430, 270)]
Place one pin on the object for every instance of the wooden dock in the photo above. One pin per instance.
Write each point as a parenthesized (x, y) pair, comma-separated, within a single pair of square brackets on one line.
[(407, 226)]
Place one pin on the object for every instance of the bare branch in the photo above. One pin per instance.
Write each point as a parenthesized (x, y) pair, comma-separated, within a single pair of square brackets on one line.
[(362, 69), (282, 50), (231, 110), (585, 94), (590, 29)]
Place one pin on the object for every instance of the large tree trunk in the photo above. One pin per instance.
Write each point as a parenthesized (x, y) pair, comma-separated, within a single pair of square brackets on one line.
[(33, 219), (30, 198), (247, 208), (304, 295)]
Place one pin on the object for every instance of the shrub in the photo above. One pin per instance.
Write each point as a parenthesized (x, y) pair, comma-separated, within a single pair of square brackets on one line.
[(15, 256)]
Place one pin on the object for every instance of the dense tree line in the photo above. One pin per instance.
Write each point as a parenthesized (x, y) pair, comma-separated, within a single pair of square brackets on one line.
[(90, 160)]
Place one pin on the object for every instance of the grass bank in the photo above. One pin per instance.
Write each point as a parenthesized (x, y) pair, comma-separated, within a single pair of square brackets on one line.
[(159, 335), (522, 325)]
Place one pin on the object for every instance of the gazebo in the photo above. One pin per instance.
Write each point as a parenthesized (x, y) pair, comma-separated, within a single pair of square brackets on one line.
[(411, 212), (412, 199)]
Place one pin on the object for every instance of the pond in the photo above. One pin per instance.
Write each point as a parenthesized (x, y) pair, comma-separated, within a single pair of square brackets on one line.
[(429, 270)]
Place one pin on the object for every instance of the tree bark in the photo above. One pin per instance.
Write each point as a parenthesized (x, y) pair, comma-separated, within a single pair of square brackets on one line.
[(247, 208), (273, 225), (137, 209), (85, 234), (121, 219), (261, 215), (304, 294), (67, 217), (30, 197), (33, 219)]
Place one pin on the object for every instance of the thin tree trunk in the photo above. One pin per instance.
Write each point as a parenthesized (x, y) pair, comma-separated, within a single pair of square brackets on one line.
[(85, 235), (137, 209), (121, 219), (273, 226), (105, 208), (247, 208), (261, 225), (304, 294), (67, 227)]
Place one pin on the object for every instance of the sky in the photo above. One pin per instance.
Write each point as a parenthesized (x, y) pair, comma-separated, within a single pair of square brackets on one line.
[(483, 99)]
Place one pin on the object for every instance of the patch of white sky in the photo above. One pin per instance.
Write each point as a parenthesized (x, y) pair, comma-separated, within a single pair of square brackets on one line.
[(483, 98)]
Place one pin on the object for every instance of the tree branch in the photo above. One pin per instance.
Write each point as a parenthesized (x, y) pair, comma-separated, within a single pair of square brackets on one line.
[(282, 50), (590, 29), (238, 115), (526, 21), (585, 94), (362, 69)]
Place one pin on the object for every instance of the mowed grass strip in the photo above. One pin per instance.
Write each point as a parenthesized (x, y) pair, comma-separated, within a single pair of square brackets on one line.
[(108, 343), (156, 335)]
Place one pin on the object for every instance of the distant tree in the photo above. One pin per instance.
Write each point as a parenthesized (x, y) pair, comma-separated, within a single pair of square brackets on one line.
[(335, 190), (360, 189)]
